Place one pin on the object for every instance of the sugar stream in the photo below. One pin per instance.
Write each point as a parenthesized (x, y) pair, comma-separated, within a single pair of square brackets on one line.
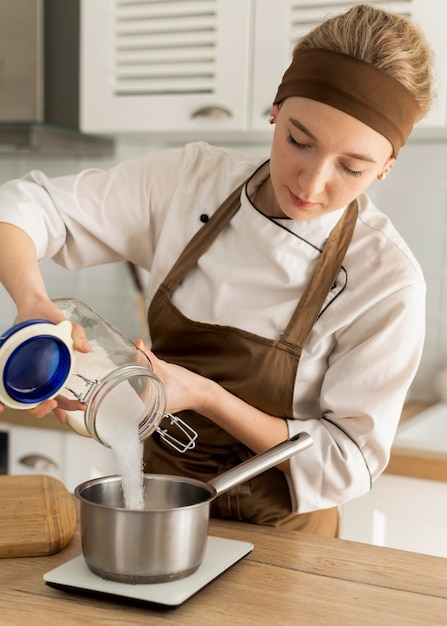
[(117, 424), (117, 421)]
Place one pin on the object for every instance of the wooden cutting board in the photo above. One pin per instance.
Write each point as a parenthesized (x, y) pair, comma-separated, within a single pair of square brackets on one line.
[(37, 516)]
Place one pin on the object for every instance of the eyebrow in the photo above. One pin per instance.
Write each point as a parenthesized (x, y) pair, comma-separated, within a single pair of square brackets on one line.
[(352, 155)]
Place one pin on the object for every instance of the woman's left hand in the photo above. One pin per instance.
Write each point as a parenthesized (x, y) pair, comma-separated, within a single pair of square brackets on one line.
[(185, 389), (189, 391)]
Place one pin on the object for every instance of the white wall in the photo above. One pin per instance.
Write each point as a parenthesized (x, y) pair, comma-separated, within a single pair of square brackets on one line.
[(414, 195)]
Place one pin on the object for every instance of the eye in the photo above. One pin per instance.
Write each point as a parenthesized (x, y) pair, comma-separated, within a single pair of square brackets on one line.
[(293, 141), (347, 170)]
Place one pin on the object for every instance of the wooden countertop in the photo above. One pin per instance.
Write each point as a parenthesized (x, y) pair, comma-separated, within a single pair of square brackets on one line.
[(289, 578), (418, 464), (21, 418)]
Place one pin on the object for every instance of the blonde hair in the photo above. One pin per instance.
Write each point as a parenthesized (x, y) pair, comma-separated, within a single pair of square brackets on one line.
[(390, 42)]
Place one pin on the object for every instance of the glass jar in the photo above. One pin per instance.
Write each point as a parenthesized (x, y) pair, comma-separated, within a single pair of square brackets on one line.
[(114, 380)]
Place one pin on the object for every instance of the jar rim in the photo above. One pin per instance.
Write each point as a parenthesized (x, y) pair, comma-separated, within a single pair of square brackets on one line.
[(154, 407)]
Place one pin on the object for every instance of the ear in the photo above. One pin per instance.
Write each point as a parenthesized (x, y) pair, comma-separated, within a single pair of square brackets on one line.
[(389, 164), (386, 168), (273, 113)]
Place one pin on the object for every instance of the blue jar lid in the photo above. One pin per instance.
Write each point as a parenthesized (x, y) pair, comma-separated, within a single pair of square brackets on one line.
[(35, 362)]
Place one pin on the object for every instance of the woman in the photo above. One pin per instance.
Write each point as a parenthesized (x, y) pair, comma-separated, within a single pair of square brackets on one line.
[(280, 299)]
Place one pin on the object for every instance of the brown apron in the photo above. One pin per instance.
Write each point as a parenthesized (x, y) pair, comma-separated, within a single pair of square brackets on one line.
[(261, 371)]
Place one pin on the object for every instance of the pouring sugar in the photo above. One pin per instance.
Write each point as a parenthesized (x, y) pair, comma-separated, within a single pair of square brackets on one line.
[(117, 418), (118, 425)]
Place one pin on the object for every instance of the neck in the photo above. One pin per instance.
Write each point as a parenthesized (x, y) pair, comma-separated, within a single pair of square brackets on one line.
[(265, 199)]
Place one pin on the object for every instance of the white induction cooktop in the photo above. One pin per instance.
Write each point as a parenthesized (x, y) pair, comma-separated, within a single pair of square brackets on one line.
[(220, 555)]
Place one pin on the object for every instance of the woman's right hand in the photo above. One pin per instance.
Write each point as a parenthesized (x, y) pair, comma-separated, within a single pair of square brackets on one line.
[(20, 275), (48, 310), (58, 405)]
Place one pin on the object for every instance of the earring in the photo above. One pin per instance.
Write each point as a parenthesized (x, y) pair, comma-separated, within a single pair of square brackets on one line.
[(272, 119), (382, 176)]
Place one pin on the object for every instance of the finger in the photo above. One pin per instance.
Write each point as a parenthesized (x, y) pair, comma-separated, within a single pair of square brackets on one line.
[(68, 404), (58, 406), (43, 408), (80, 341), (142, 346), (61, 415), (148, 354)]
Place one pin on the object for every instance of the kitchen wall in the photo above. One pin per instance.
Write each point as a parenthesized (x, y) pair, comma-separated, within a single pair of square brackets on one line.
[(414, 195)]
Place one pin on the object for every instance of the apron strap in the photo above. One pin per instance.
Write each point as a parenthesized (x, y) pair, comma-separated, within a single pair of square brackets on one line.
[(203, 239), (323, 277)]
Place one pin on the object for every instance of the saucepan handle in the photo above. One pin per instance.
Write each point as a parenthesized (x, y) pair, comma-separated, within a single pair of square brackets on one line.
[(260, 463)]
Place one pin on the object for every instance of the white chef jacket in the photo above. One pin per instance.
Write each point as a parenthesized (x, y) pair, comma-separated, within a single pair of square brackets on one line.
[(364, 349)]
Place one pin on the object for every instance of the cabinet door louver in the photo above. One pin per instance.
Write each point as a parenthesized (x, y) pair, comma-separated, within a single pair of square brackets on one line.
[(165, 65), (162, 47), (305, 15)]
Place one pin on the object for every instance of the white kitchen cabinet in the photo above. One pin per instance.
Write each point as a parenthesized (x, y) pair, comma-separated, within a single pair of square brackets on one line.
[(70, 458), (164, 66), (400, 512), (209, 66)]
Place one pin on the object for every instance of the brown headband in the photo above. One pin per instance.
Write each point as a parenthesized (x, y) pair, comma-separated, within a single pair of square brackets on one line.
[(354, 86)]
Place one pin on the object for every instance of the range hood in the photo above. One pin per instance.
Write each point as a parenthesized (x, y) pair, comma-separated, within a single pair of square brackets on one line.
[(39, 80)]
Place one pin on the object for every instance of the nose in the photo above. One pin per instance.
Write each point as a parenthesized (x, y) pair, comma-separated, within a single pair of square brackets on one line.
[(313, 177)]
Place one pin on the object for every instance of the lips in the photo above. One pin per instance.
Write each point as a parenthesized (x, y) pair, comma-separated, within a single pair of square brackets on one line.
[(299, 202)]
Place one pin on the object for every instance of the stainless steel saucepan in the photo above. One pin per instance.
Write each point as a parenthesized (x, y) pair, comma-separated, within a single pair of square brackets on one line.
[(167, 539)]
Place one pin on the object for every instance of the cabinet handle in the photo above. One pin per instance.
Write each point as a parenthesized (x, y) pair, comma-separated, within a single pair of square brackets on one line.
[(38, 462), (214, 112)]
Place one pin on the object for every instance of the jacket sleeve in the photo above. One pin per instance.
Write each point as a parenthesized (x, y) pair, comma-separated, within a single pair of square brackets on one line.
[(97, 216), (370, 370)]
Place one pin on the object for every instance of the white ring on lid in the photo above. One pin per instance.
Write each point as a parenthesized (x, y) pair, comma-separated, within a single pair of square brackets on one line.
[(23, 337)]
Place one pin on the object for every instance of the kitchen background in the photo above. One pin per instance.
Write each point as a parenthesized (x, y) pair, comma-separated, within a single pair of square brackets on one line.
[(152, 74)]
